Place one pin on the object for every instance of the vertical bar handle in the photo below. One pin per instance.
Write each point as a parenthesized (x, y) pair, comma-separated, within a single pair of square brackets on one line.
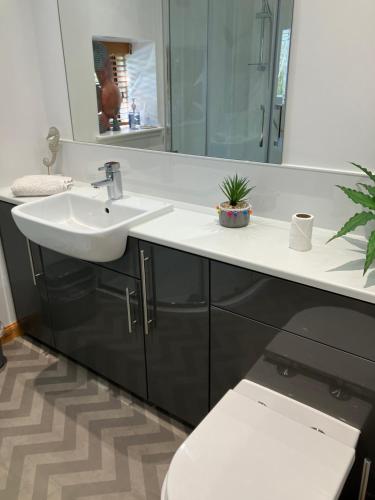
[(364, 480), (279, 125), (32, 267), (263, 110), (130, 321), (147, 322)]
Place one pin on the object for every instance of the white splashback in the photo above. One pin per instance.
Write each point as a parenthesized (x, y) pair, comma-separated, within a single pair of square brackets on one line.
[(280, 190)]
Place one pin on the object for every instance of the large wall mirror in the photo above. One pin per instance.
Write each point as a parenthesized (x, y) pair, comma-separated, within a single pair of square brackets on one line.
[(200, 77)]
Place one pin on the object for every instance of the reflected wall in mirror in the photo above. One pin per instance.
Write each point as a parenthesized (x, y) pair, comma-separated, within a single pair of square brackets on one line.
[(131, 32), (200, 77)]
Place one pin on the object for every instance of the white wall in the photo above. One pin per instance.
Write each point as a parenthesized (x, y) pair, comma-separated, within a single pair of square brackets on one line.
[(23, 121), (330, 116), (51, 65)]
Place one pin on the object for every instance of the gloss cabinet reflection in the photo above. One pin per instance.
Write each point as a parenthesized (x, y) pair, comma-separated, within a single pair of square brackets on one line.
[(96, 319), (26, 278), (177, 334)]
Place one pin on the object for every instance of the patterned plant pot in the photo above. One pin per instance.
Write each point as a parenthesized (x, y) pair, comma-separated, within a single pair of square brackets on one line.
[(234, 217)]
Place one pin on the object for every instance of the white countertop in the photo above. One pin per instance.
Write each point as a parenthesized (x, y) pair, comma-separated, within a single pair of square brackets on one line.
[(262, 246)]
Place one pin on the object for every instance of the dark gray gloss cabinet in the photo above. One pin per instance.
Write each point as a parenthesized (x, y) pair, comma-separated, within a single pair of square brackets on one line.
[(96, 318), (141, 321), (25, 272), (129, 262), (315, 346), (237, 343), (340, 322), (176, 292)]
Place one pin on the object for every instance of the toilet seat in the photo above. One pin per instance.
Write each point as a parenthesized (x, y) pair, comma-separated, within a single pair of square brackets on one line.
[(245, 450)]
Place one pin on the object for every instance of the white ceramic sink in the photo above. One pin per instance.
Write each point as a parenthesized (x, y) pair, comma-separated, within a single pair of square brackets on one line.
[(85, 227)]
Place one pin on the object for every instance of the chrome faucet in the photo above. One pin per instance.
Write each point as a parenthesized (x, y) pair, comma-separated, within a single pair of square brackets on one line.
[(112, 180)]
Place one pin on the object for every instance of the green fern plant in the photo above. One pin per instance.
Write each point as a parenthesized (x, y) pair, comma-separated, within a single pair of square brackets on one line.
[(367, 200), (236, 189)]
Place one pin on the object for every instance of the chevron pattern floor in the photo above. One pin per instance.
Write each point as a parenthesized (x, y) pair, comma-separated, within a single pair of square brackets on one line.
[(66, 434)]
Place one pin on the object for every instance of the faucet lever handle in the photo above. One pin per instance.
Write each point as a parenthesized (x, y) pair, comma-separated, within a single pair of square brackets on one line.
[(110, 167)]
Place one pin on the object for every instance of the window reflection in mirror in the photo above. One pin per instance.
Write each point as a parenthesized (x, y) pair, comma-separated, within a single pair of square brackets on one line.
[(125, 79), (283, 64)]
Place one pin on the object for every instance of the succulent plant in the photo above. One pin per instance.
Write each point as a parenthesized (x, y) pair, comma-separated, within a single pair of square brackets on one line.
[(235, 189), (367, 200)]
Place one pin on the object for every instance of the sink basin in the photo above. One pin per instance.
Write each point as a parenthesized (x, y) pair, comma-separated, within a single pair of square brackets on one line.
[(84, 227)]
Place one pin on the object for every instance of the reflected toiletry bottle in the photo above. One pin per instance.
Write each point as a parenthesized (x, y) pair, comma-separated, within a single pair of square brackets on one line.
[(134, 117)]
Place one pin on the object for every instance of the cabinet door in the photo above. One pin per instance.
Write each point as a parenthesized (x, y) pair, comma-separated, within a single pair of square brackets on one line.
[(236, 345), (39, 324), (96, 319), (313, 313), (177, 330), (25, 277), (129, 262)]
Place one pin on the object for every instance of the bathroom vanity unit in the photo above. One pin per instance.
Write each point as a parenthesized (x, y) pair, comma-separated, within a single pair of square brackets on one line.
[(179, 329), (141, 321)]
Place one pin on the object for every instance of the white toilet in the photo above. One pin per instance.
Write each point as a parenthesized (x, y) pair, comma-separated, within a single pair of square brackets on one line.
[(258, 444)]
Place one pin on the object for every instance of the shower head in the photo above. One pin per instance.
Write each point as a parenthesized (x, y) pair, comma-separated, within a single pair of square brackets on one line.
[(266, 12), (266, 7)]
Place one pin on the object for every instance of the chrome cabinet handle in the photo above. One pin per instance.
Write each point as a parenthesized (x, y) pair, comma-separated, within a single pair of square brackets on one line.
[(130, 321), (364, 480), (263, 110), (147, 322), (31, 262)]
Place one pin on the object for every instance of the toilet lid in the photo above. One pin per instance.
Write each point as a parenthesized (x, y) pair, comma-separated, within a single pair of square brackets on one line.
[(246, 451)]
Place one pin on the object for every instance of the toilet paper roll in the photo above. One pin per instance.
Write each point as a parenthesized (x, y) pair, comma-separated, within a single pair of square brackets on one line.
[(301, 232)]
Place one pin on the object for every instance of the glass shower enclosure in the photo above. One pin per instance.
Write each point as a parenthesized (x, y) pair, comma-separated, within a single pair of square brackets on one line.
[(228, 65)]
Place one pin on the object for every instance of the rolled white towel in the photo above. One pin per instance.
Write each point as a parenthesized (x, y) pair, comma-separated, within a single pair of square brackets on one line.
[(41, 185)]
